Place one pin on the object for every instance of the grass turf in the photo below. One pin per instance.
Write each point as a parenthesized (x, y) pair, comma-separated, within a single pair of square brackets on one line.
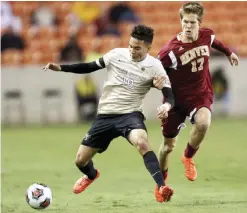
[(46, 154)]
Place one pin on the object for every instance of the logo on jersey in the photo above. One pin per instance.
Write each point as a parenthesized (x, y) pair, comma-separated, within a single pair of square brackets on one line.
[(87, 136), (180, 49), (194, 53), (128, 81)]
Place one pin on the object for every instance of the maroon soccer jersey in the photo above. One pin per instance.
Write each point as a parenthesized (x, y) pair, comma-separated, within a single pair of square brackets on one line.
[(187, 65)]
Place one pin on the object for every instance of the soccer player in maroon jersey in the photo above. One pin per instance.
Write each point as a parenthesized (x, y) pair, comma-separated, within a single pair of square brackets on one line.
[(186, 60)]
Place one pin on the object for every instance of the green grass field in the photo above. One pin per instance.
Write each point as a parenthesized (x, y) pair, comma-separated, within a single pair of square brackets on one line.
[(46, 154)]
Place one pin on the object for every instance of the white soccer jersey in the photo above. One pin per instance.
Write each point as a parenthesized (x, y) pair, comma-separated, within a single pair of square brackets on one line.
[(127, 82)]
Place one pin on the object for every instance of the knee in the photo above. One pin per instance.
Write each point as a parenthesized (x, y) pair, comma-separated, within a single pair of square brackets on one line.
[(168, 147), (80, 160), (203, 120), (142, 145), (203, 126)]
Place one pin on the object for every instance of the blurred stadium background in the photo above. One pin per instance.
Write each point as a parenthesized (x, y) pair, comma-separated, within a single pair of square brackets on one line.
[(40, 121), (44, 44)]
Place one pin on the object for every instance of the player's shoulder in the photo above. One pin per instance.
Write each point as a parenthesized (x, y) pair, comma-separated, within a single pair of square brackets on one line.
[(206, 31), (150, 61), (169, 46), (119, 51), (154, 61)]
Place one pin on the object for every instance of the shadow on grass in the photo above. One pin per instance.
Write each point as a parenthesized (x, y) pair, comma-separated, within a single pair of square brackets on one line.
[(210, 203)]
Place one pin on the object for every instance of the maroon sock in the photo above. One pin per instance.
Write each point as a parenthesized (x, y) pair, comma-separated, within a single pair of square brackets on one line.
[(165, 174), (189, 152)]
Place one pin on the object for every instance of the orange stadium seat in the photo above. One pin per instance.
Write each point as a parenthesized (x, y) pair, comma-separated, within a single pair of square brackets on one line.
[(27, 56), (33, 57), (29, 33), (242, 50), (162, 16), (54, 44), (47, 32), (55, 5), (106, 4), (110, 42), (17, 8), (86, 43), (62, 41), (87, 31), (64, 30), (63, 8), (21, 9), (51, 56), (125, 28), (12, 57), (124, 41), (26, 21)]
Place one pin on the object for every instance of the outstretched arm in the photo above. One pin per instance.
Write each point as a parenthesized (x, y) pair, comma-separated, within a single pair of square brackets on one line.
[(80, 68), (232, 57)]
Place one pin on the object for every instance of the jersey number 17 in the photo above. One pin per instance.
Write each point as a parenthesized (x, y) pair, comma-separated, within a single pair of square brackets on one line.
[(197, 65)]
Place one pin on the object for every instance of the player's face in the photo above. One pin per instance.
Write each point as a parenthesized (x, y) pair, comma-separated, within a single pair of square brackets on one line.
[(138, 49), (190, 26)]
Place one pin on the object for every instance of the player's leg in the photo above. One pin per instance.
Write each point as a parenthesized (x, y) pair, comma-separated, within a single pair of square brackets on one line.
[(200, 128), (170, 129), (164, 153), (96, 140), (132, 127), (84, 163), (139, 138), (202, 121)]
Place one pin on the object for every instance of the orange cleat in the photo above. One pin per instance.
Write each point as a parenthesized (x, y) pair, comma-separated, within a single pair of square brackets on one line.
[(190, 169), (163, 194), (157, 195), (83, 183)]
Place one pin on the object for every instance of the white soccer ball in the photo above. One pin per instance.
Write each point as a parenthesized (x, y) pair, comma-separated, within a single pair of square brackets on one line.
[(38, 196)]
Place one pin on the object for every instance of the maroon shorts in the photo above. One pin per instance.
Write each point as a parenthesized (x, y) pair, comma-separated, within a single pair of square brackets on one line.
[(177, 115)]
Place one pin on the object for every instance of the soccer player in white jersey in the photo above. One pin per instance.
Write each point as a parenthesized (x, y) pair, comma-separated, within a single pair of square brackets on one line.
[(131, 72)]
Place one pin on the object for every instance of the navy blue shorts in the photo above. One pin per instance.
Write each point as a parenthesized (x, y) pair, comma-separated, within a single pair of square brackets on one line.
[(106, 127)]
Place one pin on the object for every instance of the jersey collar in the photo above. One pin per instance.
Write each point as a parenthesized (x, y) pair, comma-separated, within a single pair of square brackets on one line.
[(147, 62)]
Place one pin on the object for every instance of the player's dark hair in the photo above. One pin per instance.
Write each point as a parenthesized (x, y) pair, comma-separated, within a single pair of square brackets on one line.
[(194, 8), (143, 33)]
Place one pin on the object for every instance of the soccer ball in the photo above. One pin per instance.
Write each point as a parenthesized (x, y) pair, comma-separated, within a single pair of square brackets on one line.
[(38, 196)]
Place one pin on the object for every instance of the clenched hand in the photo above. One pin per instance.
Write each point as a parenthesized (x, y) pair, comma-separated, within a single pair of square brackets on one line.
[(162, 111), (233, 58), (52, 66)]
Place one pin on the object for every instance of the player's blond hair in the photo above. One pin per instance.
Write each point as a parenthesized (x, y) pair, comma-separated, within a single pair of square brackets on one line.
[(194, 8)]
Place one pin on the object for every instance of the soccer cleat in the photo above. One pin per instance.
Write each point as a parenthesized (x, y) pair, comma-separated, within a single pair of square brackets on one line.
[(83, 183), (163, 194), (157, 195), (190, 169)]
